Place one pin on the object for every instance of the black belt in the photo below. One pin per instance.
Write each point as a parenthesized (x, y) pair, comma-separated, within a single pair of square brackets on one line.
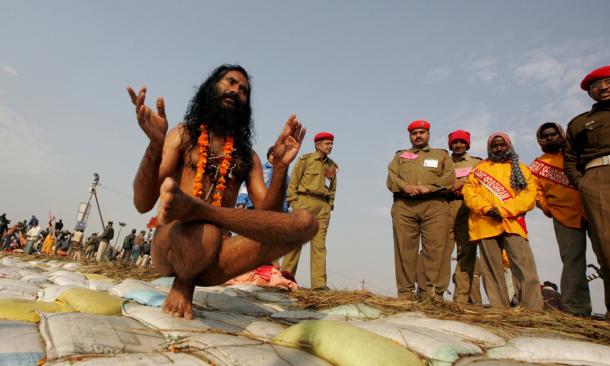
[(418, 197)]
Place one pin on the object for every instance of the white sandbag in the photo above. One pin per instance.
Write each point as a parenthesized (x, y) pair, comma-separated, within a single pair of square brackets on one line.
[(68, 334), (55, 263), (275, 297), (51, 293), (9, 261), (224, 302), (484, 361), (297, 315), (147, 297), (163, 282), (11, 273), (71, 266), (138, 359), (174, 327), (243, 287), (9, 286), (229, 350), (20, 343), (440, 348), (64, 273), (465, 331), (353, 311), (100, 285), (550, 350), (70, 281), (35, 279), (130, 285)]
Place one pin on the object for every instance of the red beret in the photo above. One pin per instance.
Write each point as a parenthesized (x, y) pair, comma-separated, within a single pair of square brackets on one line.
[(420, 123), (601, 73), (459, 135), (324, 136)]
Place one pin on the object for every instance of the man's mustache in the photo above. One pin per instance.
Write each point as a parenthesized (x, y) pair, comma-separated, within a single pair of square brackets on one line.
[(231, 96)]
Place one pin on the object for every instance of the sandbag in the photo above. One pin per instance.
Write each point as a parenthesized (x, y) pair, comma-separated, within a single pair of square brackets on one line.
[(484, 361), (67, 334), (228, 303), (438, 347), (549, 350), (21, 344), (67, 278), (353, 311), (27, 310), (71, 266), (35, 279), (139, 359), (9, 286), (462, 330), (146, 297), (230, 350), (10, 273), (343, 344), (100, 285), (51, 293), (91, 302), (163, 282), (129, 285), (98, 277), (174, 327)]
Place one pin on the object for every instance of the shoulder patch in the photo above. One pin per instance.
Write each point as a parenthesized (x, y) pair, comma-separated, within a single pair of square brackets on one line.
[(305, 156), (399, 152), (476, 157)]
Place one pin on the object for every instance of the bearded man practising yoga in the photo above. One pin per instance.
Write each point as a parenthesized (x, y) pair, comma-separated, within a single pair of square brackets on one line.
[(195, 170)]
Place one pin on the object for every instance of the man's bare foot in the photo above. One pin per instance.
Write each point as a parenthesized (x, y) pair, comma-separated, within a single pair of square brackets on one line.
[(175, 204), (179, 301)]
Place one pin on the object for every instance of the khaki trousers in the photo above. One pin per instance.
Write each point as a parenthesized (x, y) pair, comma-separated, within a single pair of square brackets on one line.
[(595, 192), (466, 255), (412, 220), (523, 268), (321, 209)]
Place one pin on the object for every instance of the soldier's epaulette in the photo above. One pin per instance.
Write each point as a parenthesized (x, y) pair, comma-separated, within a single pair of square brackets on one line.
[(305, 156), (399, 152), (476, 157)]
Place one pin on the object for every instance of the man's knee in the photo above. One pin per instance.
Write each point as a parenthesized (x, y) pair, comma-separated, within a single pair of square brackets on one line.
[(305, 222)]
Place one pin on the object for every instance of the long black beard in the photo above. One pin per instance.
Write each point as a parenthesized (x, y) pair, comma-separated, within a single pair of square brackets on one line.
[(552, 148), (235, 121)]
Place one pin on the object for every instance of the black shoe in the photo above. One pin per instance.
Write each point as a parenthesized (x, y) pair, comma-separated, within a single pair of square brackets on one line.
[(322, 288)]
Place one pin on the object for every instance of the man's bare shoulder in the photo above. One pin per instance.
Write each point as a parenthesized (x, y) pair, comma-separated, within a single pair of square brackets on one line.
[(176, 136)]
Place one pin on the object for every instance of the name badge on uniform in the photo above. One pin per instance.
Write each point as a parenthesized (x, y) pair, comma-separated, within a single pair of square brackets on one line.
[(431, 163), (462, 172), (327, 182), (408, 155)]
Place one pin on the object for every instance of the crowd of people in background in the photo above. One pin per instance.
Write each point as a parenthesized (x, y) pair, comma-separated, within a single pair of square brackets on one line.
[(29, 237)]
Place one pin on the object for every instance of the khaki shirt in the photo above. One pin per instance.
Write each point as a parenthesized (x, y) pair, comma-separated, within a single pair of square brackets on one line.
[(588, 137), (463, 167), (429, 167), (314, 176)]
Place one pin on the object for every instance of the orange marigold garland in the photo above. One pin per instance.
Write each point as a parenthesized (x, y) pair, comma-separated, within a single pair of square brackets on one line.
[(203, 148)]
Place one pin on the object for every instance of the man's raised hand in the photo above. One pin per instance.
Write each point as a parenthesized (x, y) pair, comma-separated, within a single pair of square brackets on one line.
[(154, 124), (288, 144)]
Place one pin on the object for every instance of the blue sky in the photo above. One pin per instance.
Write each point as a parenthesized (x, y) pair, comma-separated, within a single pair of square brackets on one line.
[(362, 70)]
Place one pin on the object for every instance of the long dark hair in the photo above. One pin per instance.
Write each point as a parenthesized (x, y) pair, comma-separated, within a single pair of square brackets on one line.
[(205, 108)]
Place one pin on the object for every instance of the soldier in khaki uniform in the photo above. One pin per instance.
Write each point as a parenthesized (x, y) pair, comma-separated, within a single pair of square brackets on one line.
[(587, 165), (418, 178), (467, 285), (312, 187)]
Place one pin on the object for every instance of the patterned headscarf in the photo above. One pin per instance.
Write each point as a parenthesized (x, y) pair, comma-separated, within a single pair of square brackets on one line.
[(517, 179)]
